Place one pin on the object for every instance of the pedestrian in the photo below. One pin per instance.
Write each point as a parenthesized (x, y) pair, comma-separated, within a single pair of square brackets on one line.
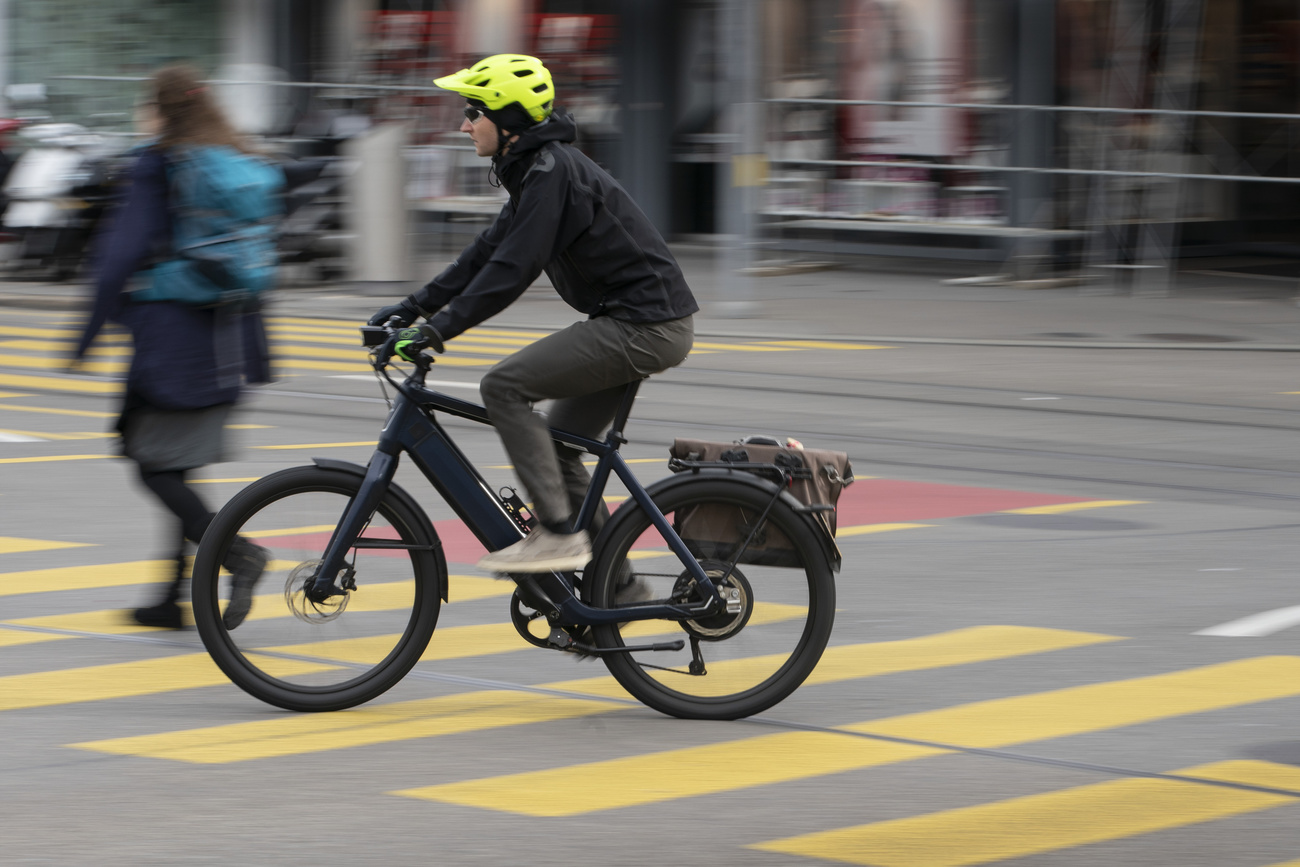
[(189, 360), (565, 216)]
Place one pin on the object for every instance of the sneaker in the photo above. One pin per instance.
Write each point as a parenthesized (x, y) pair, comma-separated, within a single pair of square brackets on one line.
[(635, 589), (164, 615), (246, 563), (541, 551)]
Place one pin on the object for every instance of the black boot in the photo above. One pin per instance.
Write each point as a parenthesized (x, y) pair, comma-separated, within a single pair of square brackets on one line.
[(167, 613), (246, 562)]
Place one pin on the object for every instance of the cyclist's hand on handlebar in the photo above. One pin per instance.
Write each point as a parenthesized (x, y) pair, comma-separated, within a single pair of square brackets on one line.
[(403, 313), (409, 342)]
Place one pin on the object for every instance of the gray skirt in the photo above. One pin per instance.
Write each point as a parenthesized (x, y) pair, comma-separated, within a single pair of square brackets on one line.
[(162, 440)]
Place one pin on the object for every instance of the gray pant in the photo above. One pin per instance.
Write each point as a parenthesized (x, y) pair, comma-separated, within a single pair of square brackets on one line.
[(583, 369)]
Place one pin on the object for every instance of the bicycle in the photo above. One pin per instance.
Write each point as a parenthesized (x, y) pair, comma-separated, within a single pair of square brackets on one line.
[(361, 593)]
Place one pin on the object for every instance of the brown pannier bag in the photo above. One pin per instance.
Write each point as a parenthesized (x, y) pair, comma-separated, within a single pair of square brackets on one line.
[(716, 532)]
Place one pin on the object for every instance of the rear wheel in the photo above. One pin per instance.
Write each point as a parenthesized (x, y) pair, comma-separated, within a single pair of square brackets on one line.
[(780, 593), (298, 655)]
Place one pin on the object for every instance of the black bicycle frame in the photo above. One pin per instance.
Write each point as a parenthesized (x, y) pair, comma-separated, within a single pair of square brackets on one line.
[(412, 428)]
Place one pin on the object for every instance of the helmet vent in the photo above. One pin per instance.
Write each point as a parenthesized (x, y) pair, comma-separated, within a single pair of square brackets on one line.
[(541, 88), (523, 73)]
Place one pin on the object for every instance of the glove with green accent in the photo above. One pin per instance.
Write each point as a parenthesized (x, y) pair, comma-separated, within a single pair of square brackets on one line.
[(408, 343)]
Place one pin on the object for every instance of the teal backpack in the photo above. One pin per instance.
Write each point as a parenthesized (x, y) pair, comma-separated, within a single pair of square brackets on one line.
[(224, 205)]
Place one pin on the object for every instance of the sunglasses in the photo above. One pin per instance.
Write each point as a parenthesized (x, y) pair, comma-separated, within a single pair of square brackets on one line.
[(472, 114)]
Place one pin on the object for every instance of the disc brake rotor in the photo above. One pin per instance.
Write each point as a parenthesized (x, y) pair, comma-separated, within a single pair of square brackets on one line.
[(304, 609)]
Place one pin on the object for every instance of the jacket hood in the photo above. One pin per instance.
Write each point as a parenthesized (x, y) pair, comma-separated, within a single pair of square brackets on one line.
[(560, 126)]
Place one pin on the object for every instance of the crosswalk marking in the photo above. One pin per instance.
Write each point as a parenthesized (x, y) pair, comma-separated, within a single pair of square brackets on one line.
[(60, 383), (370, 443), (988, 724), (864, 529), (54, 458), (85, 577), (57, 437), (129, 679), (1049, 822), (14, 545), (1060, 508), (45, 410), (422, 718), (37, 362), (714, 768)]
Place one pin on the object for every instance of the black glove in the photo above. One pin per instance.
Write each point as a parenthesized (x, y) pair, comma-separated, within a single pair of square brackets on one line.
[(405, 312), (407, 343)]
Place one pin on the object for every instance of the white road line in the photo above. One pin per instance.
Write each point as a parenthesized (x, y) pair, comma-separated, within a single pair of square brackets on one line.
[(18, 438), (1257, 625)]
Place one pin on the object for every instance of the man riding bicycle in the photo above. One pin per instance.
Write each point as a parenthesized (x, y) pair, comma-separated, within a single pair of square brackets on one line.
[(565, 216)]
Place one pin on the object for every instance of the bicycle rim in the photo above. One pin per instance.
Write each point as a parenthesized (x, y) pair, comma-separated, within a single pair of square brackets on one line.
[(288, 651), (735, 664)]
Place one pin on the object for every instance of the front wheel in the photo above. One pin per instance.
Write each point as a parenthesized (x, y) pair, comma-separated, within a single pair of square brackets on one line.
[(780, 592), (288, 651)]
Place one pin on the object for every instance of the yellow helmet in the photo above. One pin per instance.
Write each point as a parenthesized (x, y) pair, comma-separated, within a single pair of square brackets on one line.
[(504, 79)]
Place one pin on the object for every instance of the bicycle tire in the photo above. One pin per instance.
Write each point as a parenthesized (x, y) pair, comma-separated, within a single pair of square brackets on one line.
[(777, 605), (413, 629)]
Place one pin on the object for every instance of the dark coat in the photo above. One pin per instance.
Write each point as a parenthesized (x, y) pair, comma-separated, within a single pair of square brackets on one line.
[(185, 357), (566, 216)]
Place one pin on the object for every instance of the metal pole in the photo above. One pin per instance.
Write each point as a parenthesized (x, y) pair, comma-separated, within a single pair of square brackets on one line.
[(746, 168)]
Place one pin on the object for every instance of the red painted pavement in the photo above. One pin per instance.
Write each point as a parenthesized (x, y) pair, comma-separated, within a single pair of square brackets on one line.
[(866, 501)]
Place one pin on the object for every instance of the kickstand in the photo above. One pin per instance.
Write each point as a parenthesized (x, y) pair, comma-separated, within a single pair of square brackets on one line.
[(697, 660)]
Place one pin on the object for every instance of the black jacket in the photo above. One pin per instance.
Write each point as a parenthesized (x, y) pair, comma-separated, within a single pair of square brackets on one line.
[(566, 216)]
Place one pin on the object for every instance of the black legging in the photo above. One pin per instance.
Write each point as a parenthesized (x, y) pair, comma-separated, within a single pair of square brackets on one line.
[(169, 487)]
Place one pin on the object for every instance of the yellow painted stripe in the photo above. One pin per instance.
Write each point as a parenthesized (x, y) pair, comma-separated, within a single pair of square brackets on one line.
[(495, 709), (363, 367), (649, 778), (27, 331), (1061, 508), (56, 437), (14, 545), (128, 679), (1079, 709), (387, 596), (85, 577), (1000, 722), (8, 394), (13, 637), (55, 383), (741, 347), (371, 443), (249, 426), (32, 362), (822, 344), (370, 724), (46, 345), (83, 413), (864, 529), (1050, 822), (52, 458)]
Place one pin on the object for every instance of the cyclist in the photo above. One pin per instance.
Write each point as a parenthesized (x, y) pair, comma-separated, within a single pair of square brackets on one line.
[(565, 216)]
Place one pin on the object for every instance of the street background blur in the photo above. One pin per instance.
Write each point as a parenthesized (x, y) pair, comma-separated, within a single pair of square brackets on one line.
[(1108, 144)]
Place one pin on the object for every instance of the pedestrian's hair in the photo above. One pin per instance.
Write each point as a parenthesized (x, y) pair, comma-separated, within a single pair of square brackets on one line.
[(190, 116)]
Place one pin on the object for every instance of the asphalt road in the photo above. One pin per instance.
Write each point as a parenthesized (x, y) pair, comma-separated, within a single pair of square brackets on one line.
[(1037, 544)]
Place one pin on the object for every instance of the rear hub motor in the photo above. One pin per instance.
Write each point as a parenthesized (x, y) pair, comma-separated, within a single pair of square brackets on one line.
[(735, 592)]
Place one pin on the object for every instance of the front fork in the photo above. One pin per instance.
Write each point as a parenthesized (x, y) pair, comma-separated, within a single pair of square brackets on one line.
[(379, 474)]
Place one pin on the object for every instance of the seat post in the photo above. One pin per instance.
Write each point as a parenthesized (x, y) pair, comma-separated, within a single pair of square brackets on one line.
[(624, 410)]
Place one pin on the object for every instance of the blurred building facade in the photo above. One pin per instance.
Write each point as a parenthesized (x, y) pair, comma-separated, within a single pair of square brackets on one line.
[(655, 86)]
